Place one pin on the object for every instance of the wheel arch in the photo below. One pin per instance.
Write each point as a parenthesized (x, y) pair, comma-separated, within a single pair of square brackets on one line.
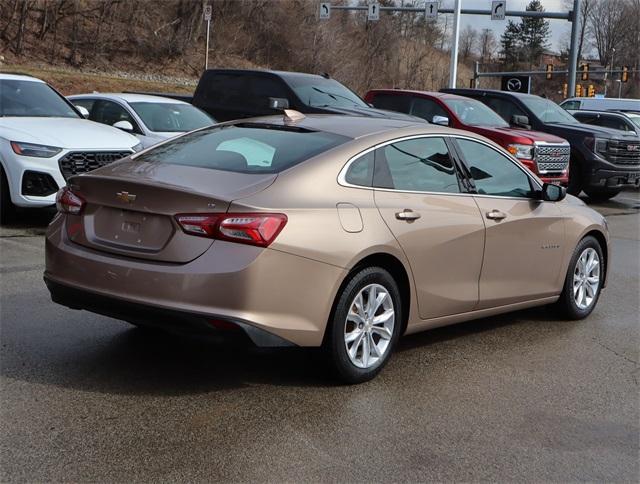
[(604, 245), (391, 264)]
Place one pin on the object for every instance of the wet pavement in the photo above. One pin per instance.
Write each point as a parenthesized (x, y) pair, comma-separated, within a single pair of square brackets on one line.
[(523, 396)]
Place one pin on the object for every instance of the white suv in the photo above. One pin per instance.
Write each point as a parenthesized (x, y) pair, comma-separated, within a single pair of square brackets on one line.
[(44, 140)]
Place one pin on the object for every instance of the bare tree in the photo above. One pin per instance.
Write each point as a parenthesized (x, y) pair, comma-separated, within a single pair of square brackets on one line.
[(488, 45), (468, 37)]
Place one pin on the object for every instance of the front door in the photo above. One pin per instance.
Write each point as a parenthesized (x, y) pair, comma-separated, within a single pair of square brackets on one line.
[(440, 229), (524, 235)]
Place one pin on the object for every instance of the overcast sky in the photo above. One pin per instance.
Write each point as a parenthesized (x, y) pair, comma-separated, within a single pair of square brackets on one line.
[(559, 28)]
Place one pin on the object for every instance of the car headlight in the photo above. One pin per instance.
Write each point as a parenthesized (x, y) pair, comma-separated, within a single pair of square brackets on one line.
[(137, 148), (38, 151), (597, 145), (521, 151)]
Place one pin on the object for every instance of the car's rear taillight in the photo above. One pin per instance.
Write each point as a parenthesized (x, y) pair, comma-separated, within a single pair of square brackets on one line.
[(259, 229), (69, 202)]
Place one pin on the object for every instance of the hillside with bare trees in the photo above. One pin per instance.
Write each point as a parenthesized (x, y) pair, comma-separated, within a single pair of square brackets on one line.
[(167, 38)]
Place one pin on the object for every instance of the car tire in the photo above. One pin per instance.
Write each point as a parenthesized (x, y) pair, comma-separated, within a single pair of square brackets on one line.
[(356, 320), (575, 179), (7, 208), (574, 304), (602, 194)]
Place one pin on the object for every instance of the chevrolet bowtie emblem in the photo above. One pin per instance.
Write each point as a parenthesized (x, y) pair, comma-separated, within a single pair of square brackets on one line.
[(125, 197)]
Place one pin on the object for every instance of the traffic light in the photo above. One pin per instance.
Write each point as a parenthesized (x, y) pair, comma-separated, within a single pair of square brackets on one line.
[(591, 92), (625, 74), (578, 90), (585, 72), (549, 72), (565, 89)]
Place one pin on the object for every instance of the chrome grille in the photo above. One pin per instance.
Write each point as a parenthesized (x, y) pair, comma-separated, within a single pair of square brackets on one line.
[(552, 158), (83, 161), (623, 152)]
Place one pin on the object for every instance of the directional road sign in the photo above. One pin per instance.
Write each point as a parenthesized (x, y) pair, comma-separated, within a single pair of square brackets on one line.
[(498, 8)]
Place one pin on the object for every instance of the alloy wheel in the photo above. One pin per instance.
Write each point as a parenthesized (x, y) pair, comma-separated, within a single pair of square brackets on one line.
[(586, 278), (369, 326)]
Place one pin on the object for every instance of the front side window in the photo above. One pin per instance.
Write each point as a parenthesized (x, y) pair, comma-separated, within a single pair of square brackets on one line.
[(505, 108), (32, 99), (244, 148), (494, 173), (171, 118), (108, 112), (392, 102), (421, 164), (474, 113)]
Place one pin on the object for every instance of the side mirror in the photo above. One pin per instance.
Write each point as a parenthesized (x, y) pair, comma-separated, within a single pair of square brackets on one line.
[(84, 111), (441, 120), (278, 103), (520, 121), (124, 126), (553, 193)]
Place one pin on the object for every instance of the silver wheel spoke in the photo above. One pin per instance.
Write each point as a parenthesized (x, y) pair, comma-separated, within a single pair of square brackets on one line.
[(586, 278), (368, 342)]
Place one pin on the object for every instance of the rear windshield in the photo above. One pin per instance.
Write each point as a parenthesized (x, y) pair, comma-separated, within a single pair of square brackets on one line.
[(244, 148), (170, 117)]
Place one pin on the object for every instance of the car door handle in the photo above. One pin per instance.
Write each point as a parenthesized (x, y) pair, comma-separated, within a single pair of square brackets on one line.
[(496, 215), (407, 215)]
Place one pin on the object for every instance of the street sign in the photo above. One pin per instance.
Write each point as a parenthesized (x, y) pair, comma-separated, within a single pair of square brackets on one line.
[(431, 10), (516, 83), (374, 11), (325, 11), (208, 11), (498, 8)]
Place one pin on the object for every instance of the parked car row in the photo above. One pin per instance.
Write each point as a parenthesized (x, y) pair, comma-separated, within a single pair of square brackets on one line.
[(583, 152)]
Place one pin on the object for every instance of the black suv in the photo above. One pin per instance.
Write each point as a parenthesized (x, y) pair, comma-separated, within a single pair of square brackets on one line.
[(603, 160), (237, 93)]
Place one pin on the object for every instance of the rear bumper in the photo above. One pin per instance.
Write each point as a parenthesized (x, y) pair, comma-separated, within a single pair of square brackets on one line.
[(161, 318), (284, 295)]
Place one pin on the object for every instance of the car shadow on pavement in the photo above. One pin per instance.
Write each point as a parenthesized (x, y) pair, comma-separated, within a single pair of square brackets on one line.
[(110, 357), (28, 222)]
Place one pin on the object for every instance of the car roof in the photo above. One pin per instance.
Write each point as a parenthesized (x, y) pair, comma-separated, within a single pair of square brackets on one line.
[(595, 111), (128, 97), (467, 91), (437, 94), (602, 99), (345, 125), (6, 76), (284, 74)]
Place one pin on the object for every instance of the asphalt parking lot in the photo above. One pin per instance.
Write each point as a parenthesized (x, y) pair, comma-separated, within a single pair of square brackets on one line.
[(523, 396)]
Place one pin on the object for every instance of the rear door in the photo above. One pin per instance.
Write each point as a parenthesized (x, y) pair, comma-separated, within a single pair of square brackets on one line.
[(524, 236), (419, 195)]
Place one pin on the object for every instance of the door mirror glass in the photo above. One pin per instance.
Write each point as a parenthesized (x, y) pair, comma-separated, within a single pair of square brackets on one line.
[(124, 126), (553, 193), (84, 111), (520, 121), (441, 120), (278, 103)]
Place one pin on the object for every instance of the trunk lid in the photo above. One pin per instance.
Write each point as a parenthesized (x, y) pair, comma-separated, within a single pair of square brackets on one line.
[(131, 206)]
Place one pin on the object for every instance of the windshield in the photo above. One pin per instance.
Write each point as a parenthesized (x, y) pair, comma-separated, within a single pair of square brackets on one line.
[(244, 148), (475, 113), (32, 99), (548, 111), (171, 118), (319, 92)]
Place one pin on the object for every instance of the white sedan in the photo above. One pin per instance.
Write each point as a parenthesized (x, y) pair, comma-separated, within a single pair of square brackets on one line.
[(150, 118)]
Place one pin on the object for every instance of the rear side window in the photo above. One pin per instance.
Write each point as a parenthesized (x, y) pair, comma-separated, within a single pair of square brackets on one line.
[(505, 108), (427, 109), (244, 148), (361, 171), (392, 102), (570, 105), (421, 165)]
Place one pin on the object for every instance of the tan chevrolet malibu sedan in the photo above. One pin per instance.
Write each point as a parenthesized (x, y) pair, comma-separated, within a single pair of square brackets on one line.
[(333, 231)]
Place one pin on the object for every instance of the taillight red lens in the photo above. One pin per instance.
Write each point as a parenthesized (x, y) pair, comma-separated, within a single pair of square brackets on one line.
[(69, 202), (259, 229)]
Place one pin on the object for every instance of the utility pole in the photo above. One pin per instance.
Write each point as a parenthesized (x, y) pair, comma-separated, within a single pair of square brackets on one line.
[(453, 70), (573, 54)]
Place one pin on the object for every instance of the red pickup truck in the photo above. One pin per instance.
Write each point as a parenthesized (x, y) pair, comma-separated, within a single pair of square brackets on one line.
[(544, 154)]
